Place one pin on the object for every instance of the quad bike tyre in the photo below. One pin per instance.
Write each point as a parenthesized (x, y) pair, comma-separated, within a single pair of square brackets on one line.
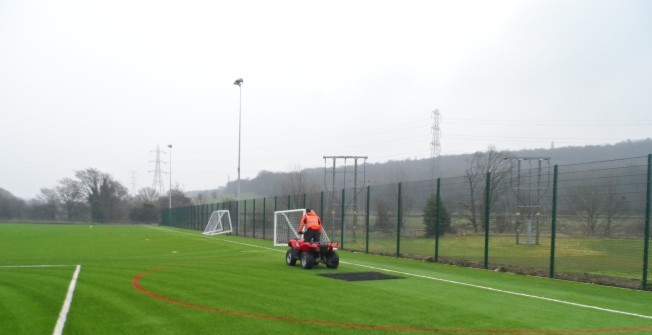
[(289, 257), (332, 260), (307, 260)]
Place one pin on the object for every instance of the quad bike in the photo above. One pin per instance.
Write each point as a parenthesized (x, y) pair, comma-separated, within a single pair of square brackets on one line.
[(312, 253)]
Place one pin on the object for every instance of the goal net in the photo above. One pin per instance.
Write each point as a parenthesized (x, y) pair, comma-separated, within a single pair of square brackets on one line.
[(286, 227), (219, 223)]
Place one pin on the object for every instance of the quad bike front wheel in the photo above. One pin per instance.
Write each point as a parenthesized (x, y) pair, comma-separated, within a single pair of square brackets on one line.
[(289, 259)]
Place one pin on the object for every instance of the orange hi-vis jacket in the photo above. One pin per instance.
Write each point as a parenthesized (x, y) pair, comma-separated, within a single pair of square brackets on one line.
[(311, 221)]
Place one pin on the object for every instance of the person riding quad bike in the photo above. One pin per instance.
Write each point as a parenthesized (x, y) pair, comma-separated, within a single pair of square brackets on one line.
[(313, 225), (309, 249)]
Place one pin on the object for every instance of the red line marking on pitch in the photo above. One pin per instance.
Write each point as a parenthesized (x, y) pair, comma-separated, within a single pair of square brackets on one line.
[(136, 284)]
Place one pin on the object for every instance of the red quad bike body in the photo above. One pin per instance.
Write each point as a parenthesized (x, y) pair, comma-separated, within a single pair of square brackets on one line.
[(311, 254)]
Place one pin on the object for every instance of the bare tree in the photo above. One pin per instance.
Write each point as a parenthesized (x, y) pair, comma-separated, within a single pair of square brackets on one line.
[(615, 205), (91, 180), (179, 198), (71, 195), (383, 216), (587, 202), (48, 203), (597, 207), (106, 197), (113, 197), (298, 184), (147, 195), (492, 161)]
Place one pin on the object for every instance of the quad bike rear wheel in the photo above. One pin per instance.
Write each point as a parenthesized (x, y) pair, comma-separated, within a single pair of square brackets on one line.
[(332, 259), (307, 260)]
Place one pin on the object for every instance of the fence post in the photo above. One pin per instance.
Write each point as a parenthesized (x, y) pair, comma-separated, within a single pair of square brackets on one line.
[(244, 221), (487, 212), (203, 215), (253, 221), (181, 217), (648, 195), (342, 222), (237, 223), (264, 217), (437, 220), (553, 231), (366, 220), (399, 218)]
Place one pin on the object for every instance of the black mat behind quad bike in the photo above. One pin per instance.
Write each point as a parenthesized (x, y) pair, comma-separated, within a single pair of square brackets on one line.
[(359, 276)]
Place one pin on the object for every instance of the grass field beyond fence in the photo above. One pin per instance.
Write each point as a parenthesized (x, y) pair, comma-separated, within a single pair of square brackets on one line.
[(161, 280)]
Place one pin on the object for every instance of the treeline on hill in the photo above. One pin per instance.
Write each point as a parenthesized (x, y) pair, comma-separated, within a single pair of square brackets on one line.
[(92, 196), (315, 179)]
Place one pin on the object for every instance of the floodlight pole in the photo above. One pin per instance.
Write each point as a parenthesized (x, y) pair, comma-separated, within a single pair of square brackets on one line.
[(170, 187), (239, 83)]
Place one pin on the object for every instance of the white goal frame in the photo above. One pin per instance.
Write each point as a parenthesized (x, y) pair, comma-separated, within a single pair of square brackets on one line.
[(286, 227), (219, 223)]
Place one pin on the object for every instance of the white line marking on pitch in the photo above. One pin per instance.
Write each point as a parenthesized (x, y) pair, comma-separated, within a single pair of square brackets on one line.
[(61, 322), (34, 266), (462, 283), (508, 292)]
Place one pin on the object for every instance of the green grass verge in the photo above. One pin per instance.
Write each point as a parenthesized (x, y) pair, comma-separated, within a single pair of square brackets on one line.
[(619, 258), (232, 285)]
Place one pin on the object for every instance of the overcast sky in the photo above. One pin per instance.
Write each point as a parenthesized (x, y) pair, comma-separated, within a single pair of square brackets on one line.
[(101, 84)]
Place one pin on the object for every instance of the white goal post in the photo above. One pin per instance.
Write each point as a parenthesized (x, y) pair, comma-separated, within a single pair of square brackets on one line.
[(286, 227), (219, 223)]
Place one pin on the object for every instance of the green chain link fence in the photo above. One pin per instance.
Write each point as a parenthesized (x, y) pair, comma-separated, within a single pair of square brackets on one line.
[(585, 222)]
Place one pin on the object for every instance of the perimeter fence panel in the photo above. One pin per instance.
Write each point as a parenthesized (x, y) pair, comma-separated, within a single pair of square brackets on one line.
[(313, 201), (266, 218), (416, 242), (245, 217), (462, 242), (354, 212), (520, 234), (601, 221), (331, 214), (382, 219)]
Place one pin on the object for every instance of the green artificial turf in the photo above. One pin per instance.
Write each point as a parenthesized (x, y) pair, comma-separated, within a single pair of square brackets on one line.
[(155, 280)]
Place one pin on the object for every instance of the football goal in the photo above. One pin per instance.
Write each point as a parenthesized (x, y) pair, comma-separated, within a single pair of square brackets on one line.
[(219, 223), (286, 227)]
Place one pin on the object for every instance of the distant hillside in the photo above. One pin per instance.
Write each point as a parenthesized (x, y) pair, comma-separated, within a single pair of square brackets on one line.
[(5, 194), (10, 206), (278, 183)]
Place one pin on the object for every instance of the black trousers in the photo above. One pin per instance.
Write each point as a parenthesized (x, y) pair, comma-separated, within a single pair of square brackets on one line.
[(311, 235)]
